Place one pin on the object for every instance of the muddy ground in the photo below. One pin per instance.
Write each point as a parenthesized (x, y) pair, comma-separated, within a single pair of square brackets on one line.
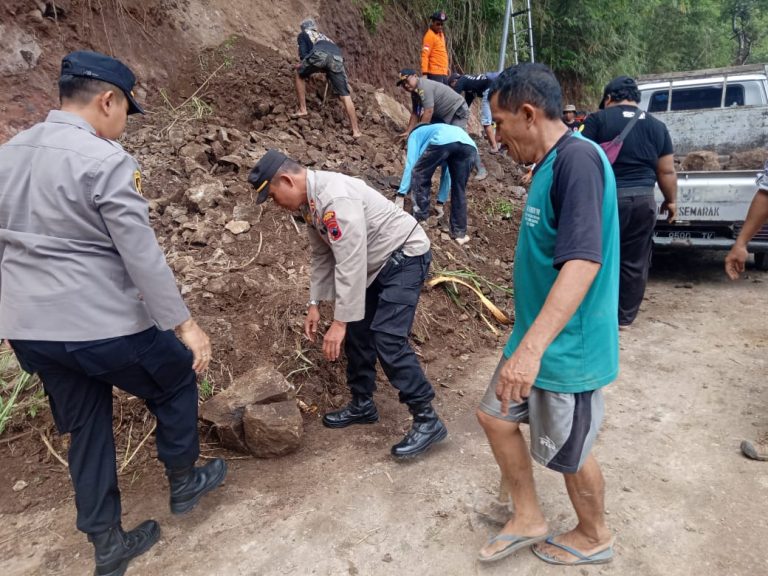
[(680, 497)]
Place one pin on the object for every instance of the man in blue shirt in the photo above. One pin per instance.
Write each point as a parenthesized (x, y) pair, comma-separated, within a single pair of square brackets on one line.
[(564, 346), (429, 147)]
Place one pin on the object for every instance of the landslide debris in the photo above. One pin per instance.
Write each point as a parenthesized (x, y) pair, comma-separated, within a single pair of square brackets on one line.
[(244, 269)]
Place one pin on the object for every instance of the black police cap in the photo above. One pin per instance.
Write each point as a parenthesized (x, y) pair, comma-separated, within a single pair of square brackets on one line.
[(104, 68), (404, 73), (264, 171)]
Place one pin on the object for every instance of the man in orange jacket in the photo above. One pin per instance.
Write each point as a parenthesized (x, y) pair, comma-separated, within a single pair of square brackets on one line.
[(434, 54)]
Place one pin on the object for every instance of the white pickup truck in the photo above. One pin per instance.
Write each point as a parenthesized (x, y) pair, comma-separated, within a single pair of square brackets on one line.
[(723, 110)]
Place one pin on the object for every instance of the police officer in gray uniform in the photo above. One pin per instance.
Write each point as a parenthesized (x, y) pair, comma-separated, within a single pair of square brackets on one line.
[(88, 302), (371, 258)]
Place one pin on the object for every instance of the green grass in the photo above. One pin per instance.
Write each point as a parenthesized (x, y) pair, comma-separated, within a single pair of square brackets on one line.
[(20, 393), (206, 389), (501, 207), (194, 108), (476, 279)]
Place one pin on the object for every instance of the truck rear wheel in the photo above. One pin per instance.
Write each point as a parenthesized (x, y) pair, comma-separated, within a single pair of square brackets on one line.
[(761, 260)]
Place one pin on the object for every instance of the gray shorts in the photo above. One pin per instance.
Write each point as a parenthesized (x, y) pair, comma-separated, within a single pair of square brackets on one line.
[(563, 426), (333, 66)]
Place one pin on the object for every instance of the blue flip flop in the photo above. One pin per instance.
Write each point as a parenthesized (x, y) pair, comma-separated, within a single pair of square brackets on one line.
[(515, 543), (601, 557)]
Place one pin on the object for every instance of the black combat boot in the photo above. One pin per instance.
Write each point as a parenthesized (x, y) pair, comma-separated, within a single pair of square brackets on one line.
[(114, 548), (190, 484), (361, 410), (427, 429)]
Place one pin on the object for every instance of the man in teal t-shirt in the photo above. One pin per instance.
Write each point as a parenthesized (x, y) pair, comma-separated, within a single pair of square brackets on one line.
[(565, 345)]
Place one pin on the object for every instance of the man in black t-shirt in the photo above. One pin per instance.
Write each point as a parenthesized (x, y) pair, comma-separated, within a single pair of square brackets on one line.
[(478, 85), (645, 158), (318, 53)]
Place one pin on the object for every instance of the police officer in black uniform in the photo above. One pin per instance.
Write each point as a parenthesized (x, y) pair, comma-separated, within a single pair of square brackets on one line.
[(88, 302)]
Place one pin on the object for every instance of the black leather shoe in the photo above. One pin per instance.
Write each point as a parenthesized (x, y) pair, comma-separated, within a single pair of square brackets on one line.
[(361, 410), (190, 484), (427, 429), (114, 548)]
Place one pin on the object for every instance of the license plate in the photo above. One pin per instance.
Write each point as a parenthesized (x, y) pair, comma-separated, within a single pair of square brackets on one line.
[(685, 234)]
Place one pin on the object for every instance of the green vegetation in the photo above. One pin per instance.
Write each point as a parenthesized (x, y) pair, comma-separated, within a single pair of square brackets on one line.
[(21, 394), (478, 281), (205, 389), (501, 207), (373, 13), (193, 108), (588, 42)]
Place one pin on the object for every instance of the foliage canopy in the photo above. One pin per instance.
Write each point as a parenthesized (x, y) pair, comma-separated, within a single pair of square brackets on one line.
[(587, 42)]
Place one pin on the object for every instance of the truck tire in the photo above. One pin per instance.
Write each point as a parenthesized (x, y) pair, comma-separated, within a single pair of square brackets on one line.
[(761, 261)]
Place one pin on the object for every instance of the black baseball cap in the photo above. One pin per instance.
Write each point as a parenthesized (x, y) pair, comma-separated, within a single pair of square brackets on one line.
[(404, 73), (615, 85), (264, 171), (105, 68), (439, 16)]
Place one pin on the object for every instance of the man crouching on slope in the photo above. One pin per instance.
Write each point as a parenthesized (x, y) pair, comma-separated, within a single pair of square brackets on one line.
[(372, 259)]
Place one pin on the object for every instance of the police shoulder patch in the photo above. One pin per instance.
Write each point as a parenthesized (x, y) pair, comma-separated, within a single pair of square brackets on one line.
[(137, 181), (332, 225)]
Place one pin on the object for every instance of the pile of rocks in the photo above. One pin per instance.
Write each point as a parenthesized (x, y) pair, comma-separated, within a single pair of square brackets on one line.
[(709, 161)]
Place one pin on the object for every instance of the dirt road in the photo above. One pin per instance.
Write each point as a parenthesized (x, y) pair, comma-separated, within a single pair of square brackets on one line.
[(681, 498)]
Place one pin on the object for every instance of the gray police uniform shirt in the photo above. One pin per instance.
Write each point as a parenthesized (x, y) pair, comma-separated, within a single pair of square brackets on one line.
[(440, 97), (353, 230), (78, 258)]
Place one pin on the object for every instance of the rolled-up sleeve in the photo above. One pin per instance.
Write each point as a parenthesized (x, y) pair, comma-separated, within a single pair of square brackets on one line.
[(126, 216)]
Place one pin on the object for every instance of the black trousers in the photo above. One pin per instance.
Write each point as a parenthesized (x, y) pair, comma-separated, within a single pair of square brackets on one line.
[(78, 378), (390, 307), (443, 78), (637, 218), (459, 158)]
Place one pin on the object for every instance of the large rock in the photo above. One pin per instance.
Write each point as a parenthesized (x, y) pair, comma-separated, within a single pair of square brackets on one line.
[(390, 107), (701, 161), (224, 411), (196, 151), (19, 51), (273, 429), (206, 195), (748, 160)]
